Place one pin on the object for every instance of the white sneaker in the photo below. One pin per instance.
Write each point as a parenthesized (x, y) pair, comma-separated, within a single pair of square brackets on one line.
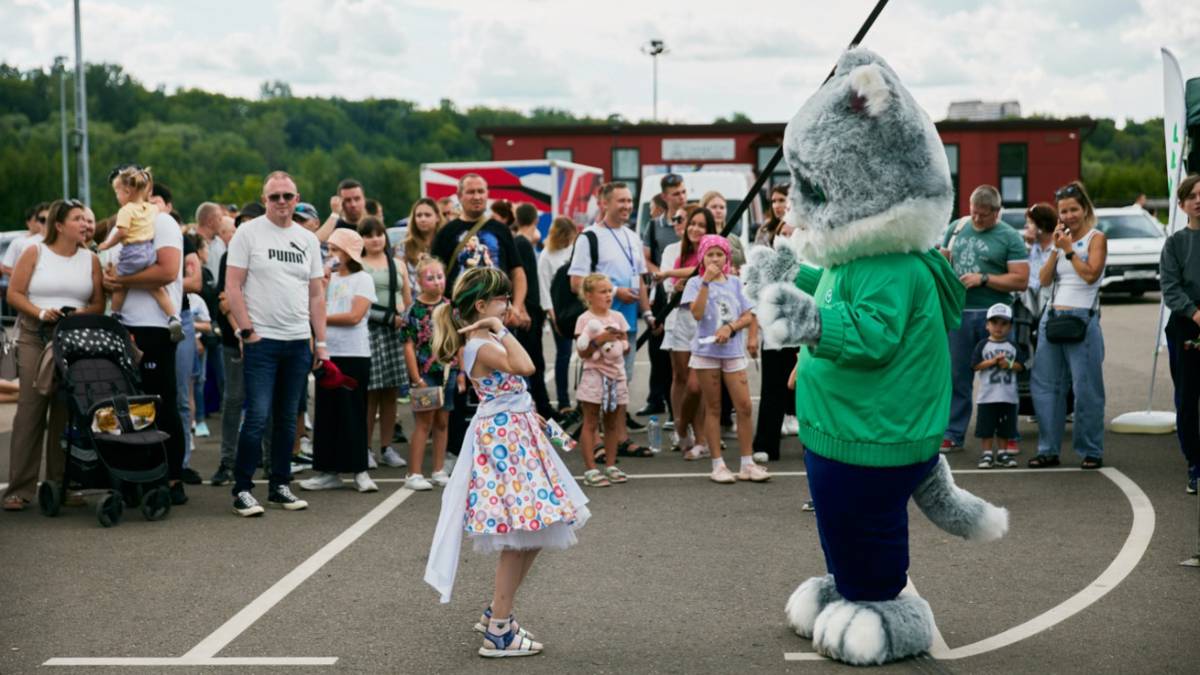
[(417, 483), (307, 422), (393, 458), (306, 446), (297, 467), (363, 482), (322, 481), (440, 478), (760, 457), (372, 463), (791, 426)]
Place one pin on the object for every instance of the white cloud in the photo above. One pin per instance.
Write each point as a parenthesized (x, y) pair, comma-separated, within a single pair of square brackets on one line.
[(1097, 57)]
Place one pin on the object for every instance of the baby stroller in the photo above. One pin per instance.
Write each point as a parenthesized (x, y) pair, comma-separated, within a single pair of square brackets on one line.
[(111, 440)]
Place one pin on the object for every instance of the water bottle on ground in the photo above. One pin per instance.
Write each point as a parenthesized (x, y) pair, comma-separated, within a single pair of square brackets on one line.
[(654, 435)]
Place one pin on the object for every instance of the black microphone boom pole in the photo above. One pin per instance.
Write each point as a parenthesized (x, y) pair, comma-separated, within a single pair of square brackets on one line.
[(770, 167)]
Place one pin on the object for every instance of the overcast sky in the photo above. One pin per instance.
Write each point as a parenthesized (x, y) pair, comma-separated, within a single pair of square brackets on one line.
[(1061, 57)]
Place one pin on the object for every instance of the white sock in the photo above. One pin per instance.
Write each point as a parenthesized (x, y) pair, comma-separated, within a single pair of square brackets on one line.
[(718, 463), (747, 460)]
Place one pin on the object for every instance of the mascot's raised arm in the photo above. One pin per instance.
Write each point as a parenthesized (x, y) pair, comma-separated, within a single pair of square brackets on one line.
[(870, 194)]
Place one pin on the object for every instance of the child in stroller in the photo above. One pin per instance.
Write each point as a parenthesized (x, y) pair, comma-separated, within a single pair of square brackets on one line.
[(111, 441)]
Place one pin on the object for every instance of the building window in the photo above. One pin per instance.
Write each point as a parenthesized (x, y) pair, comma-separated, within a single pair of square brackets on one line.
[(1014, 170), (952, 160), (780, 174), (560, 154)]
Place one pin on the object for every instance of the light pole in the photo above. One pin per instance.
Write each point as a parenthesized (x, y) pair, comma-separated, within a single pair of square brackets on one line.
[(61, 69), (85, 192), (655, 48)]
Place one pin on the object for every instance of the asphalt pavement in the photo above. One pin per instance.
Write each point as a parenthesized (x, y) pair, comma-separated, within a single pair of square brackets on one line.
[(673, 574)]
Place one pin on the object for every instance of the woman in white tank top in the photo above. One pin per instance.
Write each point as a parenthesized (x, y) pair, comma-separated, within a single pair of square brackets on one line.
[(1073, 272), (54, 274)]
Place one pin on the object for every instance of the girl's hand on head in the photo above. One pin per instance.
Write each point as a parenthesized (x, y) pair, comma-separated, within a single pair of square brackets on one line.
[(490, 323)]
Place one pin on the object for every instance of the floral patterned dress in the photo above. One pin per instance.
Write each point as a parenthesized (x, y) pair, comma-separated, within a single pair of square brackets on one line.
[(510, 489)]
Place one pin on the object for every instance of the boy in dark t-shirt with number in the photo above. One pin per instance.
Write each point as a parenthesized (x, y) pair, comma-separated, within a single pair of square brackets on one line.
[(996, 362)]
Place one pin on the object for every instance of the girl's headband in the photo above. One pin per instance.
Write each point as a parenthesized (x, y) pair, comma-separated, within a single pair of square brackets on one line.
[(714, 241)]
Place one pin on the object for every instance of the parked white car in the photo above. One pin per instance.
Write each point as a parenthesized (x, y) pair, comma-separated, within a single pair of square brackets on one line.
[(1135, 242)]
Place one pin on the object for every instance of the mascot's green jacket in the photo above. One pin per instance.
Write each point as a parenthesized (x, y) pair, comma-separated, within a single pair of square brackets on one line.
[(882, 367)]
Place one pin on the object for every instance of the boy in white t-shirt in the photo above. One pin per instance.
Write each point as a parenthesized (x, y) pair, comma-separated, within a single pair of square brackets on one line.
[(996, 362)]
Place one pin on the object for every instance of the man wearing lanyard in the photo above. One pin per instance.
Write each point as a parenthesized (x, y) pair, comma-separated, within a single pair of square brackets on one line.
[(620, 257)]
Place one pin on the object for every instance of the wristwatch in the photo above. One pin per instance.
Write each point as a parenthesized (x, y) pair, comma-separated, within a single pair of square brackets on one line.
[(983, 279), (245, 333), (1069, 254)]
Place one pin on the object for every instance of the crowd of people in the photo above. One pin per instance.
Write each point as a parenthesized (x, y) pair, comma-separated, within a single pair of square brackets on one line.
[(245, 302)]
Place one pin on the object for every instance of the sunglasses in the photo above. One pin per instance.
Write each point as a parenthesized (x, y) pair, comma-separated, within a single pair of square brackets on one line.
[(676, 219), (41, 219), (672, 179), (112, 175), (281, 196), (1068, 191)]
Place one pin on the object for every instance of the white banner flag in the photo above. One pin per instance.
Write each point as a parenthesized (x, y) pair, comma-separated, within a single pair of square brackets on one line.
[(1175, 133)]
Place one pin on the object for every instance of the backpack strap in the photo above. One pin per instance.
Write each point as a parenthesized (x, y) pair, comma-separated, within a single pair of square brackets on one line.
[(593, 247)]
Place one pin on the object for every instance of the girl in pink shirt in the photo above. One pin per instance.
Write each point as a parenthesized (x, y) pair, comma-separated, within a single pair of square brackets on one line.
[(602, 340)]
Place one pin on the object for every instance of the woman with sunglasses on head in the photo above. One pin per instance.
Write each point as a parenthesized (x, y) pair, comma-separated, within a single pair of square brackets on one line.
[(680, 260), (51, 278), (1073, 357)]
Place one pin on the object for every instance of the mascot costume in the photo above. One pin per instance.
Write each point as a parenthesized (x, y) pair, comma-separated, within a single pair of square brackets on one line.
[(870, 195)]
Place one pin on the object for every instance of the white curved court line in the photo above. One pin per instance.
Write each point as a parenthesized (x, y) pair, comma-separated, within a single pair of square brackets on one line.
[(1140, 533)]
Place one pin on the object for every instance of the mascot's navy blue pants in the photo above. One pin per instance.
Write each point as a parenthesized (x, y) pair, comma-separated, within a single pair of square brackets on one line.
[(862, 519)]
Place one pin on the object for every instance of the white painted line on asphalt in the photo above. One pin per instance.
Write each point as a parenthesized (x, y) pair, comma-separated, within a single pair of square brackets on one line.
[(1131, 553), (209, 646), (186, 661), (205, 653)]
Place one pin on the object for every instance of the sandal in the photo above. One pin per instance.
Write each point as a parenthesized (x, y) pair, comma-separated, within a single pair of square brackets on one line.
[(615, 475), (15, 503), (628, 448), (1091, 463), (696, 452), (593, 478), (598, 453), (1043, 461)]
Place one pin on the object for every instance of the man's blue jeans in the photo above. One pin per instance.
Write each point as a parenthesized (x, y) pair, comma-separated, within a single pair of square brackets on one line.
[(962, 376), (185, 363), (275, 372)]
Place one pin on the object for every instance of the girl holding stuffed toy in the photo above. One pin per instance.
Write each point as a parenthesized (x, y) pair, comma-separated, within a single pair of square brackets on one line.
[(722, 313), (510, 491), (602, 340)]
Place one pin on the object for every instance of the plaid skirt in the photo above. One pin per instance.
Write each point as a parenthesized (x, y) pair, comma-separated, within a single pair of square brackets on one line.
[(387, 360)]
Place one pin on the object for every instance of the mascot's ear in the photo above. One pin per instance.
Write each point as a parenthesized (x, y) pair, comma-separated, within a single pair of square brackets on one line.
[(869, 90)]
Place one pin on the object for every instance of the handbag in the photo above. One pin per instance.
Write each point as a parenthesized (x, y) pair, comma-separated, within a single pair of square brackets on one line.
[(1065, 329), (8, 355), (425, 399)]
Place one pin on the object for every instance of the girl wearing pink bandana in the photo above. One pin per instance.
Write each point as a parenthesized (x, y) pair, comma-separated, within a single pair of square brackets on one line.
[(722, 312)]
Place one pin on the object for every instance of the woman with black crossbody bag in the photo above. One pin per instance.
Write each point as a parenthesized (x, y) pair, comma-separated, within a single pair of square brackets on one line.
[(389, 374), (1070, 349)]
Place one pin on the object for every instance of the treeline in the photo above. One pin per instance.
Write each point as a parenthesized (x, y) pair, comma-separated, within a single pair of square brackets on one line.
[(210, 146)]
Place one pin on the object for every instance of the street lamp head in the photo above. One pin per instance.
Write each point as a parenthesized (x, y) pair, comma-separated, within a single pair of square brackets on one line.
[(654, 48)]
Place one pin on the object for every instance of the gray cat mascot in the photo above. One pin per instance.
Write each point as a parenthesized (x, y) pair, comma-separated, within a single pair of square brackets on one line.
[(870, 194)]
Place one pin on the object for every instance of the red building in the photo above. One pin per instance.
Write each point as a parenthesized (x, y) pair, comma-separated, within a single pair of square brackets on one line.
[(1026, 158)]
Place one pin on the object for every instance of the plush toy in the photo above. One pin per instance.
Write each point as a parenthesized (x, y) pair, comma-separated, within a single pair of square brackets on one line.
[(474, 254), (870, 193), (610, 351)]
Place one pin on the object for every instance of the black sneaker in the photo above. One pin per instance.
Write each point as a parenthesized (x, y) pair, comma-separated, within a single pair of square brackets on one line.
[(398, 434), (178, 496), (246, 506), (651, 409), (633, 424), (190, 477), (1005, 460), (221, 476), (281, 496), (986, 461)]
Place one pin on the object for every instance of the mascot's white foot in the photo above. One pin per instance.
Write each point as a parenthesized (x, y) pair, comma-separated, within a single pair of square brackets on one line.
[(871, 633), (957, 511), (807, 601)]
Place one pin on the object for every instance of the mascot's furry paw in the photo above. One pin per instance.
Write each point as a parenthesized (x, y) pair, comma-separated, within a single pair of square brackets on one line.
[(871, 633), (789, 317), (807, 601), (957, 511), (765, 266)]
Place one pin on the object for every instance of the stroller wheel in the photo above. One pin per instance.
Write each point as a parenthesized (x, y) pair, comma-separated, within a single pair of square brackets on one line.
[(50, 498), (156, 503), (109, 510)]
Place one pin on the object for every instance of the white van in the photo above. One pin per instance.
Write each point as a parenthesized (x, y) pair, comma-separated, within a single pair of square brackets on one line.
[(731, 184)]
